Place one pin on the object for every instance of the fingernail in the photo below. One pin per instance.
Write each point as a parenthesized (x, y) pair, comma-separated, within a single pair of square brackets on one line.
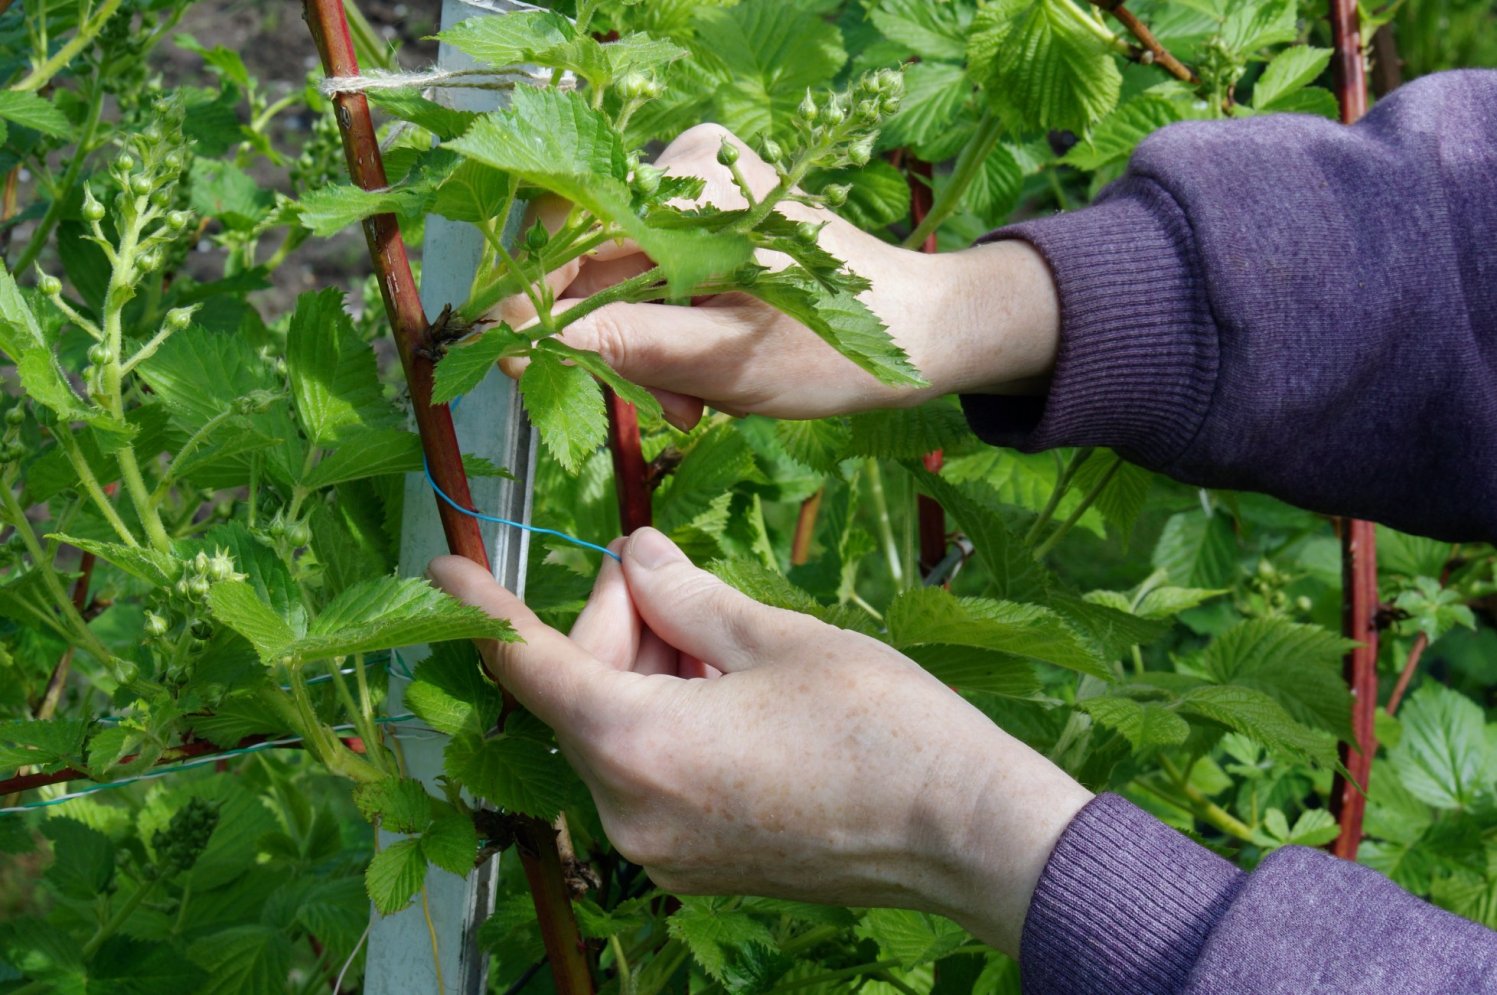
[(675, 421), (652, 550)]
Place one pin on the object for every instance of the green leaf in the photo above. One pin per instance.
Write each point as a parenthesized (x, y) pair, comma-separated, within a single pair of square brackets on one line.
[(126, 966), (1043, 65), (401, 804), (909, 433), (237, 605), (1314, 827), (361, 454), (932, 31), (1197, 550), (843, 321), (1446, 756), (466, 364), (149, 565), (555, 140), (763, 55), (83, 863), (451, 693), (713, 927), (19, 331), (444, 122), (1248, 27), (1299, 666), (593, 363), (334, 378), (517, 773), (1259, 717), (934, 615), (451, 843), (1146, 725), (1118, 134), (818, 443), (1013, 572), (566, 406), (1291, 70), (395, 875), (509, 40), (912, 937), (718, 460), (245, 960), (995, 189), (24, 742), (31, 111), (221, 189)]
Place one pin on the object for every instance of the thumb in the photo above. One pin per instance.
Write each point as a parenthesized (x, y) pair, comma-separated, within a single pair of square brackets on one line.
[(547, 672), (700, 615)]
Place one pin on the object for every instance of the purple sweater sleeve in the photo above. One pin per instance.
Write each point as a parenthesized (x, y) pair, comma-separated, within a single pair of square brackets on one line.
[(1289, 305), (1128, 906)]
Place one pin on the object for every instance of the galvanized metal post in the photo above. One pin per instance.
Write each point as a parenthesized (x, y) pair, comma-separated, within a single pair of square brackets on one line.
[(491, 423)]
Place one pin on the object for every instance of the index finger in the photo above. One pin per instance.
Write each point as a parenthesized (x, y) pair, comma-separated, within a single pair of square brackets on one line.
[(548, 673)]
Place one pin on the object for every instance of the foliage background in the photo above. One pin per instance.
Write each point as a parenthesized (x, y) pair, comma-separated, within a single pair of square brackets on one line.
[(1177, 646)]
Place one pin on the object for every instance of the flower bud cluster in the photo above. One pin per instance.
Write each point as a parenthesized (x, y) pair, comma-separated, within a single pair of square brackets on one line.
[(179, 845), (146, 171), (840, 129), (200, 573)]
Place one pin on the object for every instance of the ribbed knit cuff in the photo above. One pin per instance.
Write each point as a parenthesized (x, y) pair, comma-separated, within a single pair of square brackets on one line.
[(1123, 906), (1138, 347)]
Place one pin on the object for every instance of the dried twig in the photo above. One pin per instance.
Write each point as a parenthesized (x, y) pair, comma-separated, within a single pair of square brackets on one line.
[(1152, 51)]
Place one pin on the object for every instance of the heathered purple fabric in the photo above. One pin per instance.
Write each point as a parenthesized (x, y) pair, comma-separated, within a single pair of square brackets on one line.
[(1128, 906), (1289, 305)]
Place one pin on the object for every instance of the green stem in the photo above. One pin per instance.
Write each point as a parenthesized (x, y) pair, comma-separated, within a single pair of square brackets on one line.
[(968, 167), (885, 524), (1057, 493), (485, 296), (120, 917), (1086, 502), (87, 31), (69, 179), (187, 449), (624, 290), (1207, 809), (61, 599), (92, 488)]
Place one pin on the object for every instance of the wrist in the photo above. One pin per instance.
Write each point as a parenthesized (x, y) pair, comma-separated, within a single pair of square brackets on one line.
[(997, 837), (993, 325)]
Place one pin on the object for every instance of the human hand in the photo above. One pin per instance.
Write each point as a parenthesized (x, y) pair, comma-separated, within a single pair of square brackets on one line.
[(984, 320), (815, 764)]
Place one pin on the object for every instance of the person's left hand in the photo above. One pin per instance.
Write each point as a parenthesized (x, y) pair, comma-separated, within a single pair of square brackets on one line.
[(815, 763)]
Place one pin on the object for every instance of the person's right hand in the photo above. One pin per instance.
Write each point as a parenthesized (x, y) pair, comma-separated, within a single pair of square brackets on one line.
[(980, 321)]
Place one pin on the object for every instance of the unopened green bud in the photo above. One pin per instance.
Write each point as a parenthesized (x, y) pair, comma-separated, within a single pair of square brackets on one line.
[(15, 416), (149, 261), (727, 153), (152, 132), (124, 162), (808, 109), (861, 151), (647, 178), (179, 219), (835, 194), (199, 586), (537, 237), (173, 161), (772, 151), (99, 354), (49, 284), (635, 86), (833, 112), (140, 185), (161, 197), (92, 209), (298, 534), (179, 318), (156, 626), (806, 233), (868, 111)]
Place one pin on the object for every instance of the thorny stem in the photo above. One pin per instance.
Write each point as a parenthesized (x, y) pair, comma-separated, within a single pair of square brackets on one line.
[(1158, 54), (624, 290), (805, 528), (120, 917), (967, 168), (1087, 501), (537, 841), (87, 31)]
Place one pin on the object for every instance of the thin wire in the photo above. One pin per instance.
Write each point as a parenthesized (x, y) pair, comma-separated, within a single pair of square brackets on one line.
[(426, 468), (177, 768)]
